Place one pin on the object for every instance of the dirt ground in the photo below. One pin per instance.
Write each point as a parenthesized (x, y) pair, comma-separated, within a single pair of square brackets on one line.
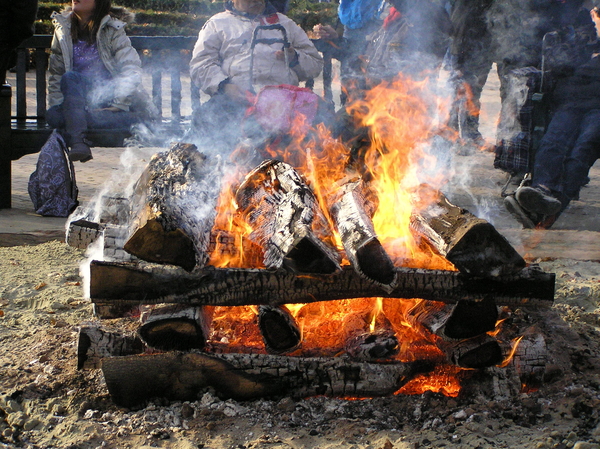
[(45, 402)]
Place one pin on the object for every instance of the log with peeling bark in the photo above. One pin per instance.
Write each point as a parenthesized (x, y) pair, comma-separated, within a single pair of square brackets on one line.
[(285, 216), (278, 329), (173, 208), (117, 286), (132, 380), (171, 327), (94, 344), (472, 244), (465, 319), (352, 215)]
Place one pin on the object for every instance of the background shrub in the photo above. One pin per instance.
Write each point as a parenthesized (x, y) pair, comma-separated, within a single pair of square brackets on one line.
[(186, 17)]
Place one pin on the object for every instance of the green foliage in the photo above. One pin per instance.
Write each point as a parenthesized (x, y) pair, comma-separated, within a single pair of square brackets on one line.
[(183, 6), (186, 17), (307, 13)]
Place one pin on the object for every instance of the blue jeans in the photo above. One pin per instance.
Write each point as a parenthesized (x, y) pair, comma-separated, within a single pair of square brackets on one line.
[(75, 114), (567, 151)]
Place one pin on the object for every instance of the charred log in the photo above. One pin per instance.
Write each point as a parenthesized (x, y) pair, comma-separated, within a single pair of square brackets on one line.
[(472, 244), (278, 329), (475, 353), (371, 346), (459, 321), (132, 380), (352, 215), (174, 327), (173, 208), (115, 286), (284, 215), (367, 337), (531, 357), (94, 344)]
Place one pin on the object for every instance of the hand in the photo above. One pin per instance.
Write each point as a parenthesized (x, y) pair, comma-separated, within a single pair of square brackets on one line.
[(291, 54), (326, 32), (236, 93)]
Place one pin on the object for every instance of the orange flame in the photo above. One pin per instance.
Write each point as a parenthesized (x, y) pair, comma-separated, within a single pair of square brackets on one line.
[(400, 119)]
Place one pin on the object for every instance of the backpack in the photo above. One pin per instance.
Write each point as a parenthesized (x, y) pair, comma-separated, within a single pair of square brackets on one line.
[(52, 187), (524, 118)]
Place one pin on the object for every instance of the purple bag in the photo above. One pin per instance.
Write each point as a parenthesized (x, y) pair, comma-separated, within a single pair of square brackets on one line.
[(52, 187), (277, 106)]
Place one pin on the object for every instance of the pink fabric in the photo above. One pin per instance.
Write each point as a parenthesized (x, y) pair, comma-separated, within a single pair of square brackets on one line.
[(277, 106)]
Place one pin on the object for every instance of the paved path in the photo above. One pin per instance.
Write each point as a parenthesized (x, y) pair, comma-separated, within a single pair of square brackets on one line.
[(575, 235)]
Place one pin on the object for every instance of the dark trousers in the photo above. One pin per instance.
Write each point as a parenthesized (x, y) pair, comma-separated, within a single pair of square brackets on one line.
[(468, 79), (217, 124), (75, 115), (567, 151)]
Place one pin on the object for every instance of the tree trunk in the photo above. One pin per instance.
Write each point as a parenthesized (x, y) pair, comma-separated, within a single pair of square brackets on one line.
[(285, 219), (352, 215), (117, 286), (472, 244), (131, 380), (173, 208)]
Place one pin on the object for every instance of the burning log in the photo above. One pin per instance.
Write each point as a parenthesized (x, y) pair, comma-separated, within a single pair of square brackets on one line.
[(284, 215), (174, 327), (94, 344), (459, 321), (369, 337), (116, 286), (475, 353), (371, 346), (173, 208), (460, 330), (531, 357), (131, 380), (472, 244), (278, 329), (352, 215)]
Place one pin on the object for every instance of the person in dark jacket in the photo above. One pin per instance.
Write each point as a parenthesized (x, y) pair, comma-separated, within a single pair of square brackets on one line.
[(16, 25), (472, 61), (517, 29), (571, 143), (413, 40)]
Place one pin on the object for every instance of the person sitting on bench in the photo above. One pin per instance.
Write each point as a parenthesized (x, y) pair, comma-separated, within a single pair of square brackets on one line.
[(571, 143), (231, 66), (95, 74)]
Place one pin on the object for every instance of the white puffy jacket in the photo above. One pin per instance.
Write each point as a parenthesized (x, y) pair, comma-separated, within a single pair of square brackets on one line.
[(115, 50), (223, 51)]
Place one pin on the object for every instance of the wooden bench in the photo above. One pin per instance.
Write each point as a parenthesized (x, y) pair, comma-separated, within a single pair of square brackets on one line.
[(26, 132)]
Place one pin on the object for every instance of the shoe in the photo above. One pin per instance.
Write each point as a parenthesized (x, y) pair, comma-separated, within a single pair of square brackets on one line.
[(535, 200), (527, 220), (80, 151), (547, 222)]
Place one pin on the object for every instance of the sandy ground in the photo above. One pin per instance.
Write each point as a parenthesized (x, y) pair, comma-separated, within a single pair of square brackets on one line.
[(45, 402)]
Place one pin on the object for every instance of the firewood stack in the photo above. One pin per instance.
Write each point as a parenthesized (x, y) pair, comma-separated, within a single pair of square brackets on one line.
[(174, 292)]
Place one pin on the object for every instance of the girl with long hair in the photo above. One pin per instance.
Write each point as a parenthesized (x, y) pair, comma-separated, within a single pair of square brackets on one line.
[(95, 74)]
